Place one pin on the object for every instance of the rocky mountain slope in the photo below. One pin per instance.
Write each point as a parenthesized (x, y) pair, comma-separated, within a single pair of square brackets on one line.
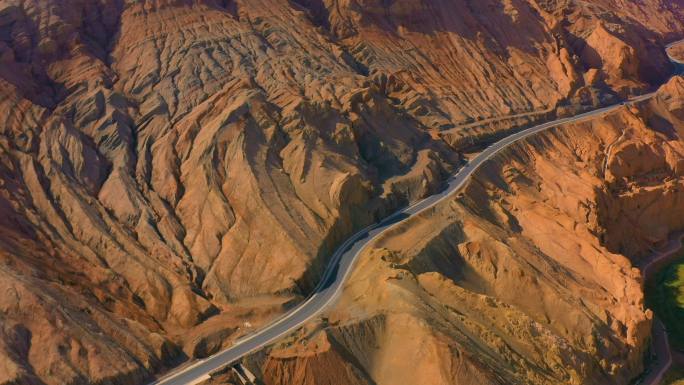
[(677, 52), (526, 277), (175, 172)]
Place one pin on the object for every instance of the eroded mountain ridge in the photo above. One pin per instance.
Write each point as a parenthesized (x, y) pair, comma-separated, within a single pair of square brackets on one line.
[(173, 172)]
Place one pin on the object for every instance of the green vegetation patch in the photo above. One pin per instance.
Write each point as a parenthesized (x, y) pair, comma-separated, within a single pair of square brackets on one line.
[(674, 376), (665, 295)]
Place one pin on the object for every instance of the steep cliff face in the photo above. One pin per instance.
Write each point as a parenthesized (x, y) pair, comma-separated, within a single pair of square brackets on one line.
[(527, 276), (175, 172), (643, 194)]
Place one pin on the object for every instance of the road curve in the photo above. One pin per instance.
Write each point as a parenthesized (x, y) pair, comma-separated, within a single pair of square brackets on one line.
[(660, 340), (661, 348), (679, 64), (344, 257)]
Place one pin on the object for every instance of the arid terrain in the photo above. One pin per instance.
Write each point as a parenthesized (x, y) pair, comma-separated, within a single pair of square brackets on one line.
[(175, 173), (677, 52), (513, 281)]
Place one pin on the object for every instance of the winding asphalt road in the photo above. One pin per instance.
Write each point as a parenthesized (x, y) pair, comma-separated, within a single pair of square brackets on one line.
[(673, 59), (660, 340), (342, 262)]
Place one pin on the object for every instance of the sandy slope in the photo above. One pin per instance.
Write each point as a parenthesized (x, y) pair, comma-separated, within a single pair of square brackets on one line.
[(174, 171)]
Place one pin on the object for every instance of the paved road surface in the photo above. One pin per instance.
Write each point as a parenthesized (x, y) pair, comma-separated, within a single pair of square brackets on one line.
[(343, 259), (679, 64), (661, 344)]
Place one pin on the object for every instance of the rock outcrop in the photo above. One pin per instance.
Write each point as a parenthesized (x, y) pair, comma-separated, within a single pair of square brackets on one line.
[(173, 173), (527, 276), (610, 56), (677, 52)]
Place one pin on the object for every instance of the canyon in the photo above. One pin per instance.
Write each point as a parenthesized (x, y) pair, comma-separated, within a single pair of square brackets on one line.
[(174, 174), (443, 290)]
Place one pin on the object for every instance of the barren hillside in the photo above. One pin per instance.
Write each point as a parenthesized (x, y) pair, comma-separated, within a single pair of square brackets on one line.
[(173, 173), (526, 277)]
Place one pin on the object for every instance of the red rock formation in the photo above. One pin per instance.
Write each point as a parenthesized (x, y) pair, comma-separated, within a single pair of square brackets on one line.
[(172, 169), (525, 278)]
